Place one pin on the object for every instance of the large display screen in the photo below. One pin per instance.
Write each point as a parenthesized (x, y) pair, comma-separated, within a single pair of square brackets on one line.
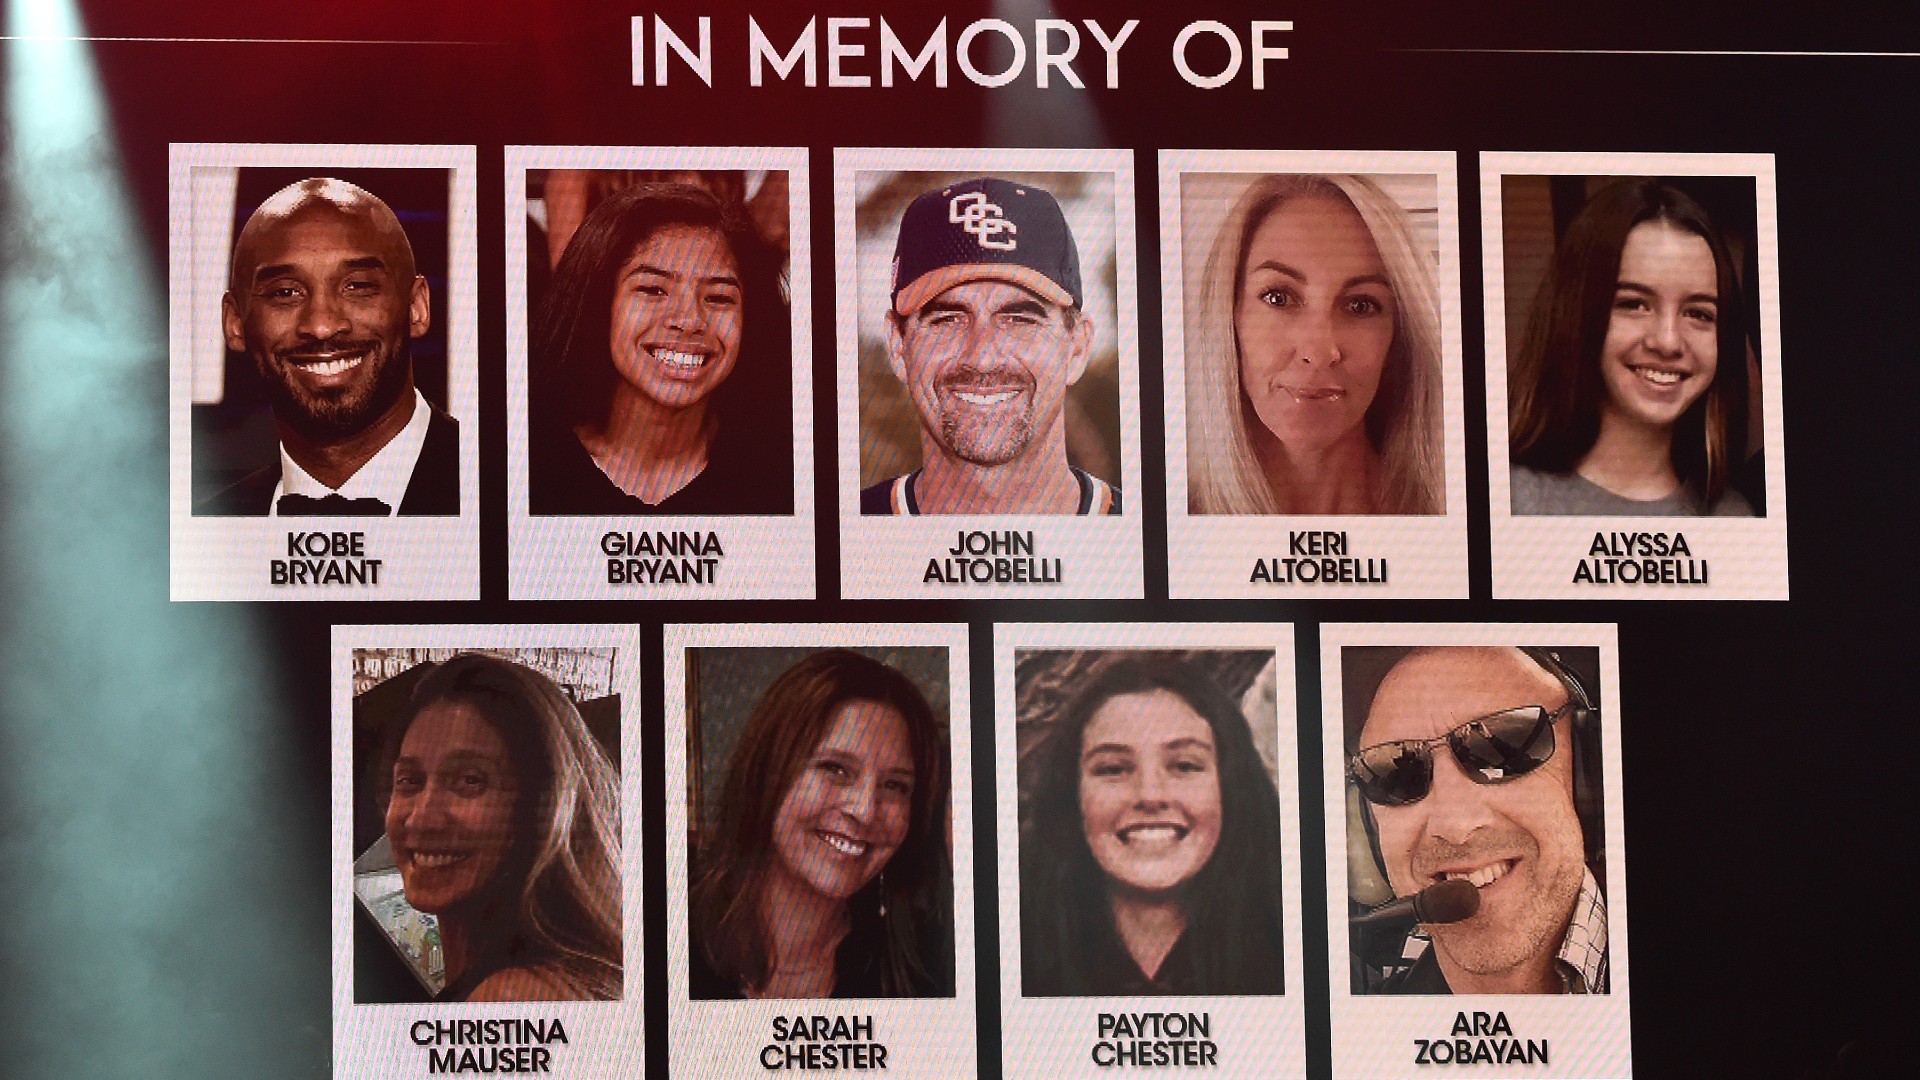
[(1030, 538)]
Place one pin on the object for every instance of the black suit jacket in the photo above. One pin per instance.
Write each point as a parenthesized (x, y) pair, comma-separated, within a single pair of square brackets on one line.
[(433, 491)]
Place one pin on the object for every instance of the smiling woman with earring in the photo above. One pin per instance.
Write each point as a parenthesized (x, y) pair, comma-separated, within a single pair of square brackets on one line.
[(1150, 852), (1313, 357), (827, 872)]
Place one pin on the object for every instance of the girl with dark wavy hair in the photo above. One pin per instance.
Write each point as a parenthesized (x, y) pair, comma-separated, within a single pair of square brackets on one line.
[(1150, 857), (660, 373)]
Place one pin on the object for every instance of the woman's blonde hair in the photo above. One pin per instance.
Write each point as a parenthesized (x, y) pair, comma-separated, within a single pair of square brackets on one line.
[(1403, 423)]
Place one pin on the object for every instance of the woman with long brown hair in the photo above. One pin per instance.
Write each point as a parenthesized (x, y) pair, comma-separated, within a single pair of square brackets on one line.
[(503, 814), (827, 873)]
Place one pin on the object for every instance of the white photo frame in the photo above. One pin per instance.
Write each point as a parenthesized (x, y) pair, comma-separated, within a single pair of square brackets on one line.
[(1383, 556), (1244, 1036), (1058, 556), (602, 1039), (923, 1037), (1618, 557), (668, 556), (260, 557), (1386, 1035)]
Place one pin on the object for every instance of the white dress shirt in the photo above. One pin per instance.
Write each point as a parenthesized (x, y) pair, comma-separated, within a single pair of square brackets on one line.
[(384, 476)]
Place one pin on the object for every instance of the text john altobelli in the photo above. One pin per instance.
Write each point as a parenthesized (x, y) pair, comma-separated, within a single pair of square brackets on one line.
[(998, 558)]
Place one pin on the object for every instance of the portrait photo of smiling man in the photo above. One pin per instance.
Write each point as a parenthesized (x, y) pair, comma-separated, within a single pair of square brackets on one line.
[(323, 396), (987, 332), (987, 373), (1476, 848), (326, 301)]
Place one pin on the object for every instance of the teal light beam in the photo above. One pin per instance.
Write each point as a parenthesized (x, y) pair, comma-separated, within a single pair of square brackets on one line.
[(145, 851)]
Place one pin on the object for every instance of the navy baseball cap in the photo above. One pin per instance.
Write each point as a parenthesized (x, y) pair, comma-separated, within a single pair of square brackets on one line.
[(985, 229)]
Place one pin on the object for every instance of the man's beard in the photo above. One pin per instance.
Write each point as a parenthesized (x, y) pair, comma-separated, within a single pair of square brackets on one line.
[(330, 416), (986, 437), (1529, 924)]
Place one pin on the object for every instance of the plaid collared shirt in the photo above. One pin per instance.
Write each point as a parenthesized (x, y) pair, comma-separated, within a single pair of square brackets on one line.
[(1582, 961)]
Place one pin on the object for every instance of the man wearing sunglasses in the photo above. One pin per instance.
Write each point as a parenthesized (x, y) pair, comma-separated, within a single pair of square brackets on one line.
[(1467, 765)]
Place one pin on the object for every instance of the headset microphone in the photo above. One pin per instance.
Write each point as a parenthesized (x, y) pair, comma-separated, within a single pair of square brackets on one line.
[(1448, 901)]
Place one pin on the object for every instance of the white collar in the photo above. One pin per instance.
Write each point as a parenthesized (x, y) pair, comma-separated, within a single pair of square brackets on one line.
[(384, 476)]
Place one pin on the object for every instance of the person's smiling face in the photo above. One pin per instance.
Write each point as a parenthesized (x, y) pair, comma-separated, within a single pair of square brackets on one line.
[(1519, 842), (677, 316), (987, 364), (1149, 791), (1314, 322), (1662, 345), (324, 299), (450, 814), (850, 806)]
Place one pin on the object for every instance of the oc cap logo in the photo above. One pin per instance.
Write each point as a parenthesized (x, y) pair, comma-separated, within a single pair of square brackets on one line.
[(985, 221)]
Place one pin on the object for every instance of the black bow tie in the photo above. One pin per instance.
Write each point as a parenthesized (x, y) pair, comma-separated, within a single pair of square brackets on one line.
[(331, 505)]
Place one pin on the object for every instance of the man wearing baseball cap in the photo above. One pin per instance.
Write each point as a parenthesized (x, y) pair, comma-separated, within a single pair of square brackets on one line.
[(987, 330)]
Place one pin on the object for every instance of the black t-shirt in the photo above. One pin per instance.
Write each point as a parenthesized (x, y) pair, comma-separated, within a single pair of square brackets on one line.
[(744, 475), (896, 495), (1088, 959)]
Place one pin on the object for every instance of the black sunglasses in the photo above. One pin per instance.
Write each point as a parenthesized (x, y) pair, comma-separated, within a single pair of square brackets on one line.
[(1490, 749)]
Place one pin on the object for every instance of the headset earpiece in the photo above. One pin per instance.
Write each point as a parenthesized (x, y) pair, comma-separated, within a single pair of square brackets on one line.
[(1589, 798), (1367, 882)]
